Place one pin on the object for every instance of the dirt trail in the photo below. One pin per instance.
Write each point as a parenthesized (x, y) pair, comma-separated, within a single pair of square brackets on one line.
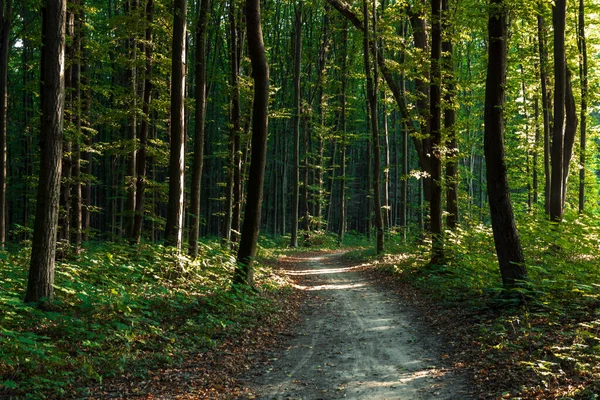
[(356, 341)]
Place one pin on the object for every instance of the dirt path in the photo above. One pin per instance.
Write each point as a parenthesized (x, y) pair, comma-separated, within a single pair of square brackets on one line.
[(356, 341)]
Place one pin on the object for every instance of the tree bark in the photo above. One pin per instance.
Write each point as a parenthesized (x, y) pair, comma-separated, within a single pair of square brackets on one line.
[(437, 233), (41, 270), (343, 123), (372, 92), (5, 28), (296, 123), (506, 237), (260, 120), (200, 117), (174, 225), (583, 77), (142, 155), (560, 88), (452, 177), (543, 55)]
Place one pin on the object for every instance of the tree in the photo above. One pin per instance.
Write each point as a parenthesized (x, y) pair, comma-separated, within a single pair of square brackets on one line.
[(5, 28), (583, 76), (260, 127), (296, 122), (41, 269), (200, 115), (142, 154), (506, 237), (372, 93), (560, 88), (437, 233), (174, 226)]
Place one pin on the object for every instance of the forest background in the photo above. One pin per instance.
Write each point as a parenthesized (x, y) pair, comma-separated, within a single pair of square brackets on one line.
[(376, 131)]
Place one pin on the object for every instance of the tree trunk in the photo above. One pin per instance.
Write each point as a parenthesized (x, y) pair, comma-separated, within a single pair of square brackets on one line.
[(174, 225), (200, 117), (343, 123), (372, 93), (236, 48), (260, 117), (583, 77), (131, 81), (437, 233), (41, 270), (5, 28), (142, 155), (296, 122), (506, 237), (560, 88), (543, 54), (449, 121), (76, 201), (569, 138)]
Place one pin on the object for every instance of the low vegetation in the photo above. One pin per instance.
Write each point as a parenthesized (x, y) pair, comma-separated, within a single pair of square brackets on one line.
[(544, 343), (121, 309)]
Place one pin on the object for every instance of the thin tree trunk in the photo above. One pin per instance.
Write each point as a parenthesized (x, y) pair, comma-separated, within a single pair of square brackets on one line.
[(174, 225), (449, 121), (142, 154), (260, 117), (545, 109), (560, 88), (569, 138), (131, 81), (437, 233), (344, 72), (236, 48), (372, 93), (583, 77), (76, 201), (200, 117), (506, 237), (41, 270), (5, 28), (296, 122)]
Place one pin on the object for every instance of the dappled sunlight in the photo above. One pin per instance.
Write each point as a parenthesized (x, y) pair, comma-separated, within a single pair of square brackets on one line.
[(330, 287), (321, 271)]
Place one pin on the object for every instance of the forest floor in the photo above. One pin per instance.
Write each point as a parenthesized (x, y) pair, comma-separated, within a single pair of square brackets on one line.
[(357, 339)]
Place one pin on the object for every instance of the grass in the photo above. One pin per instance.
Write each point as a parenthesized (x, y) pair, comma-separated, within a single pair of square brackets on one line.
[(120, 308)]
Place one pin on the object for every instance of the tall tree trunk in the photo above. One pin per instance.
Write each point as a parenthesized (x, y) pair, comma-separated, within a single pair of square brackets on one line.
[(569, 137), (5, 28), (560, 89), (372, 93), (41, 270), (236, 48), (343, 123), (437, 233), (200, 117), (449, 121), (543, 54), (142, 155), (131, 81), (76, 201), (260, 120), (506, 237), (174, 226), (296, 122), (583, 77)]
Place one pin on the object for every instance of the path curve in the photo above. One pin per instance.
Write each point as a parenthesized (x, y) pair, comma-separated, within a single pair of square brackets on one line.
[(356, 341)]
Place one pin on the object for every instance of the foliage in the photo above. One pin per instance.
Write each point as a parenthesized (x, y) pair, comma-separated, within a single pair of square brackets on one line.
[(552, 337), (120, 309)]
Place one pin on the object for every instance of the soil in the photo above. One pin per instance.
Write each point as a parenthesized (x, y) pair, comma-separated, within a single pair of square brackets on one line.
[(356, 339)]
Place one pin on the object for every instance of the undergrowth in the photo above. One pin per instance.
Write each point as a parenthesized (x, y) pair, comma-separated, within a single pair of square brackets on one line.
[(553, 338), (118, 309)]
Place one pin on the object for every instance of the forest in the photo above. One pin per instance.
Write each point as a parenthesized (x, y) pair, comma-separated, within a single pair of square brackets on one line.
[(166, 166)]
